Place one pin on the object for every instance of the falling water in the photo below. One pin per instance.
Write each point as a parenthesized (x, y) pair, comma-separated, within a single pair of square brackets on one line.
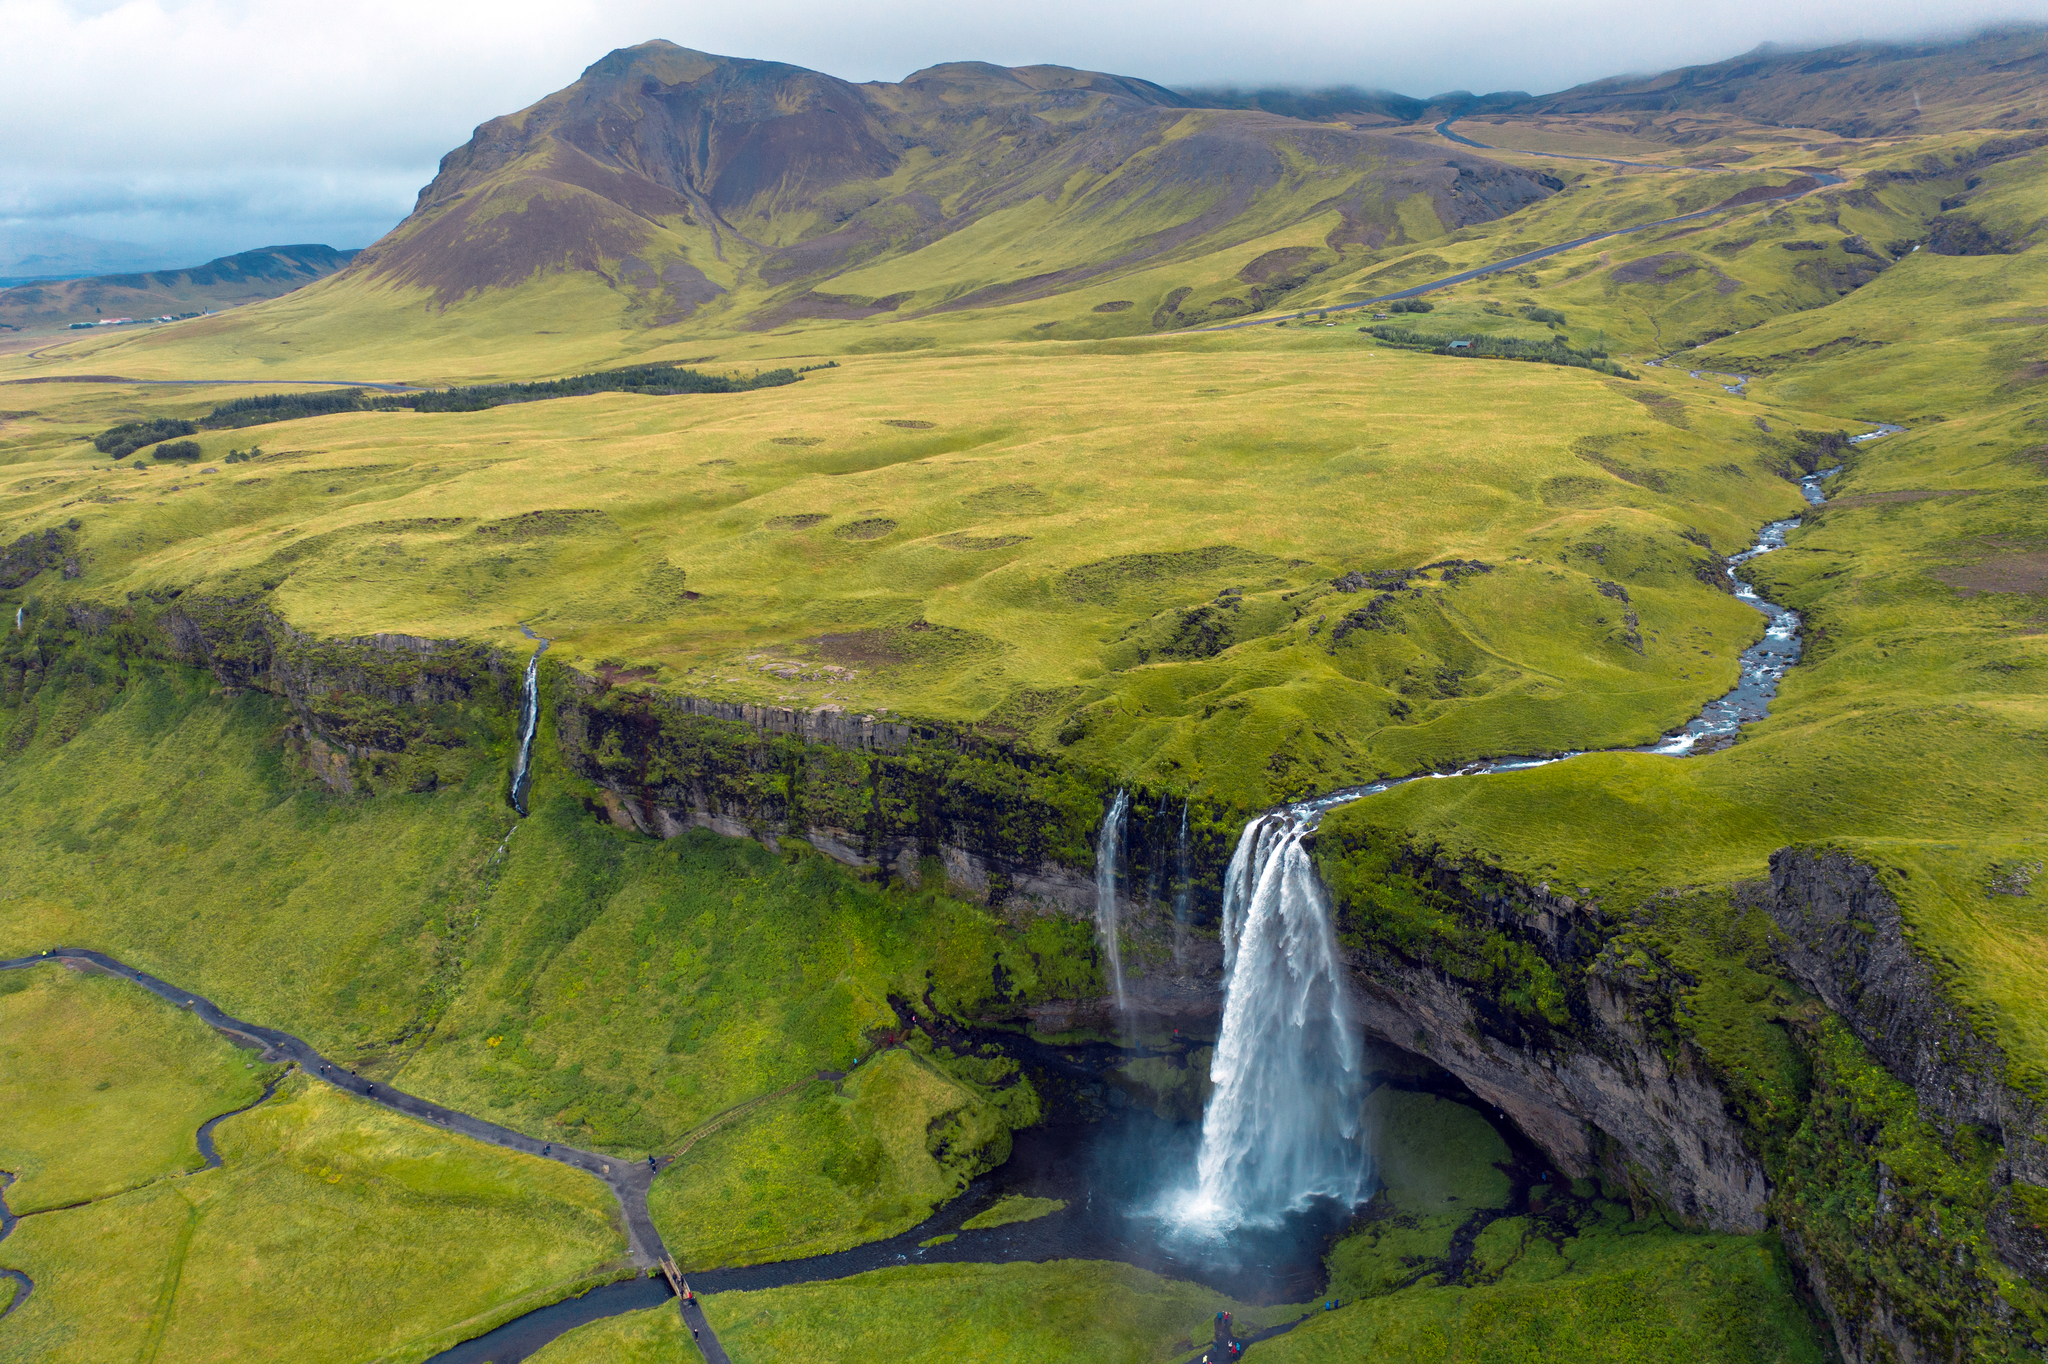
[(1107, 845), (1183, 886), (1283, 1126), (522, 769), (17, 616)]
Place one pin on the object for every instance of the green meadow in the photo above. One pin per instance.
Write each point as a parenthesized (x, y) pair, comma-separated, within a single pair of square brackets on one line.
[(993, 539), (137, 1252), (107, 1087)]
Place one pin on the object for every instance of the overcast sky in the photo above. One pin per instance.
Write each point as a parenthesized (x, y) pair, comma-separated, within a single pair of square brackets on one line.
[(200, 128)]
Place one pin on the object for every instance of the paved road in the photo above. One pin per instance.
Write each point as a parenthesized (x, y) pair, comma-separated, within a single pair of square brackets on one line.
[(1444, 130), (706, 1338), (1513, 262), (210, 383), (627, 1179)]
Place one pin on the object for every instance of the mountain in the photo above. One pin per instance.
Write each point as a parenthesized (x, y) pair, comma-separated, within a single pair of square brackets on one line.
[(245, 277), (1991, 79), (28, 254), (667, 183)]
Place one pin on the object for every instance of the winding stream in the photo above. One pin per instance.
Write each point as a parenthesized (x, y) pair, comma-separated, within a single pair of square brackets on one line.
[(7, 1221), (1272, 947)]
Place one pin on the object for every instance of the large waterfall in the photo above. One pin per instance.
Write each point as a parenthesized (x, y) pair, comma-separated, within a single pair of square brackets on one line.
[(1108, 844), (1283, 1125)]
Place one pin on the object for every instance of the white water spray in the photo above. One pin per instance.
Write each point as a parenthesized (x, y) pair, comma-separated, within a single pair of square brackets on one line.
[(1284, 1124), (1108, 844), (529, 721)]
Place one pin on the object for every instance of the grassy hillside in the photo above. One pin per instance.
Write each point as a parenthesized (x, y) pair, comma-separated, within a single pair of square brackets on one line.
[(992, 538)]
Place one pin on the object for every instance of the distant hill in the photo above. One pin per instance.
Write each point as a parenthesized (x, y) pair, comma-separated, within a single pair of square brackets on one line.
[(246, 277), (1350, 102), (1992, 79), (29, 254), (667, 183)]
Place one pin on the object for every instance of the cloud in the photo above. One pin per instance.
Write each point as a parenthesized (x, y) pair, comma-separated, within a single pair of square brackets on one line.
[(226, 122)]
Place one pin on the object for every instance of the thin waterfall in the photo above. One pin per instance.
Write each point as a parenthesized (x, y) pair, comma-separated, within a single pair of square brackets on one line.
[(529, 722), (1108, 844), (1284, 1123), (1183, 887)]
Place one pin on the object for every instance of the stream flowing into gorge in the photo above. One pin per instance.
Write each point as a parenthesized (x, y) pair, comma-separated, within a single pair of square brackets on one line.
[(1281, 1128)]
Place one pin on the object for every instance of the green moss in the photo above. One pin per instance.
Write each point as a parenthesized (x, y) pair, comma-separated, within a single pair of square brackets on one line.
[(1618, 1296), (1078, 1310), (1893, 1207), (1014, 1208), (1441, 1165), (829, 1167)]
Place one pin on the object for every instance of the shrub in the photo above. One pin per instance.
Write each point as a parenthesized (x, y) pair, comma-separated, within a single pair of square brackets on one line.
[(1550, 351), (657, 379), (178, 449), (1544, 315)]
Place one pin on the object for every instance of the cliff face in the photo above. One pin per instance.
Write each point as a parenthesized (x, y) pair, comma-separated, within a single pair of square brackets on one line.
[(1845, 940), (1518, 992), (1907, 1174), (1903, 1271), (1903, 1168), (1605, 1097), (379, 713)]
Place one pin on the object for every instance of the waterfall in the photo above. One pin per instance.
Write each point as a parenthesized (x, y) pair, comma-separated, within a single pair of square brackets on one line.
[(1107, 845), (1183, 887), (529, 721), (1284, 1123)]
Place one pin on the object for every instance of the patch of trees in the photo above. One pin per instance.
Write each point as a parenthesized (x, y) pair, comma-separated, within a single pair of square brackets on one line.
[(1956, 235), (178, 449), (1549, 351), (1411, 305), (124, 440), (264, 408)]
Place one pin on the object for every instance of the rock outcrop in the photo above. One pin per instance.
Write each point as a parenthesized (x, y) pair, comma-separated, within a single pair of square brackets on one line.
[(1606, 1099), (1848, 942)]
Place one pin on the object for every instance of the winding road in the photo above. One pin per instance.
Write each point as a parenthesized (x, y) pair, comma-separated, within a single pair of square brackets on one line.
[(1516, 262)]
